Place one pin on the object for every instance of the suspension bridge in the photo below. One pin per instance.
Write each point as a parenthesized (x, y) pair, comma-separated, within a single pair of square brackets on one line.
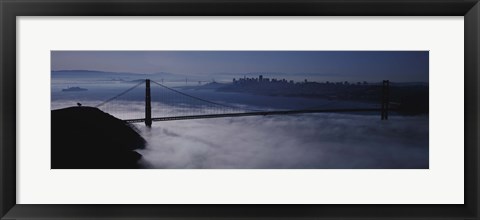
[(172, 104)]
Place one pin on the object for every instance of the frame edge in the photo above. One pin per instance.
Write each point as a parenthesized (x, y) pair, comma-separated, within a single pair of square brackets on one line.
[(8, 109), (472, 82)]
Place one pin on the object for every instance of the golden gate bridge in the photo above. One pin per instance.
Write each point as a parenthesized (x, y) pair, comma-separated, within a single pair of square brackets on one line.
[(183, 106)]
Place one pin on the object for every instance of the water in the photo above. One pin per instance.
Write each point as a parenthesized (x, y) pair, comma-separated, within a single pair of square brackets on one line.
[(294, 141), (313, 141), (98, 92)]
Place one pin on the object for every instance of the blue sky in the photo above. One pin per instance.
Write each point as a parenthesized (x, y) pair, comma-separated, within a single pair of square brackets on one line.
[(406, 66)]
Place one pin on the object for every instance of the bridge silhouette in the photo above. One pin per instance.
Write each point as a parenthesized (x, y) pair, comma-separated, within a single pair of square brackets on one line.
[(183, 106)]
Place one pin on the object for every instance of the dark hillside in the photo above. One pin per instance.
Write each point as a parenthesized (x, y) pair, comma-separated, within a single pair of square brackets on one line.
[(87, 138)]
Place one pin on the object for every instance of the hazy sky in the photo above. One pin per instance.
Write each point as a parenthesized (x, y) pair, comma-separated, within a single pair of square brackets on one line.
[(356, 65)]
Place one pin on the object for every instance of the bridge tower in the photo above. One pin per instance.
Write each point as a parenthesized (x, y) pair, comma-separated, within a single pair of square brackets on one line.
[(385, 99), (148, 104)]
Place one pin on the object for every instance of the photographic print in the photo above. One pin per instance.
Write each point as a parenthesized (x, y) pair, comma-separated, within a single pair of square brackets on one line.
[(240, 109)]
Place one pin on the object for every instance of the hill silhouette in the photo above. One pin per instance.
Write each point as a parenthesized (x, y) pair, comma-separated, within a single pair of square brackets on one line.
[(88, 138)]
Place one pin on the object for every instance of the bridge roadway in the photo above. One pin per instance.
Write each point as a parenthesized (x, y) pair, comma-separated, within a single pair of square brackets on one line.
[(257, 113)]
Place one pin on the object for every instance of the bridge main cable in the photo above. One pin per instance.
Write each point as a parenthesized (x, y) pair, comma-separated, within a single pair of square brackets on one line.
[(204, 100), (120, 94)]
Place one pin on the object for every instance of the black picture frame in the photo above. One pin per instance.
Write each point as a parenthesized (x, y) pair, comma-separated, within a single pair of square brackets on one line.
[(10, 9)]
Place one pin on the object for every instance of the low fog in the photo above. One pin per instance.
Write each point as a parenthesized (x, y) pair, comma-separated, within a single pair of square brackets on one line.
[(301, 141), (337, 141)]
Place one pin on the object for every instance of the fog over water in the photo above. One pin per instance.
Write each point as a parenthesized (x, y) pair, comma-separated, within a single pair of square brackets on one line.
[(304, 141), (320, 140)]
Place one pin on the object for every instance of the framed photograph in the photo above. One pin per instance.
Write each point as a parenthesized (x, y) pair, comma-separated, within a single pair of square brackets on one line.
[(239, 109)]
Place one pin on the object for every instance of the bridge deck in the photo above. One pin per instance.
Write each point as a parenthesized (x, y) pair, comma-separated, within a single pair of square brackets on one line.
[(287, 112)]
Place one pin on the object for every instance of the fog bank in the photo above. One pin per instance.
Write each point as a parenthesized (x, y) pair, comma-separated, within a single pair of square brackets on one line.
[(280, 142)]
